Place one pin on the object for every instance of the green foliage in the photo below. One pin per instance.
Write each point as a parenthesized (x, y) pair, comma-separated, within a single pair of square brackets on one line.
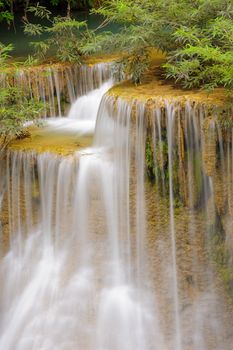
[(39, 11), (33, 29), (5, 52), (40, 49), (205, 55), (5, 14), (65, 35), (16, 108), (150, 164), (134, 64), (196, 35), (30, 61)]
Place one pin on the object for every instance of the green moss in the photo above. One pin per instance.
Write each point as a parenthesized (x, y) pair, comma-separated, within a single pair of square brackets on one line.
[(221, 257), (150, 164)]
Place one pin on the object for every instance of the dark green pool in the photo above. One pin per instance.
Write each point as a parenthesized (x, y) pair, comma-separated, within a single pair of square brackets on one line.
[(21, 41)]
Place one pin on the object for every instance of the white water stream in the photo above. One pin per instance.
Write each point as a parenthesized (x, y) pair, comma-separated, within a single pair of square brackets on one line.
[(82, 116)]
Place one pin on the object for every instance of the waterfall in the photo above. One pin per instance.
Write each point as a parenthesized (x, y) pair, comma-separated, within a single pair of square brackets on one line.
[(57, 85), (83, 112), (120, 246)]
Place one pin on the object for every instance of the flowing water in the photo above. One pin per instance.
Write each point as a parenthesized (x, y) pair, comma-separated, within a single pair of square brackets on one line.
[(96, 254), (82, 114), (57, 85)]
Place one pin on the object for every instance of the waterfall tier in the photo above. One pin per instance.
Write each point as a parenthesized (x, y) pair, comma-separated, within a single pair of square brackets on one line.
[(57, 85)]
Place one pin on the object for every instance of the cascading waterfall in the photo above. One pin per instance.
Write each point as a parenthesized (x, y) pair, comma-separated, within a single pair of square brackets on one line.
[(82, 116), (57, 85), (116, 247)]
